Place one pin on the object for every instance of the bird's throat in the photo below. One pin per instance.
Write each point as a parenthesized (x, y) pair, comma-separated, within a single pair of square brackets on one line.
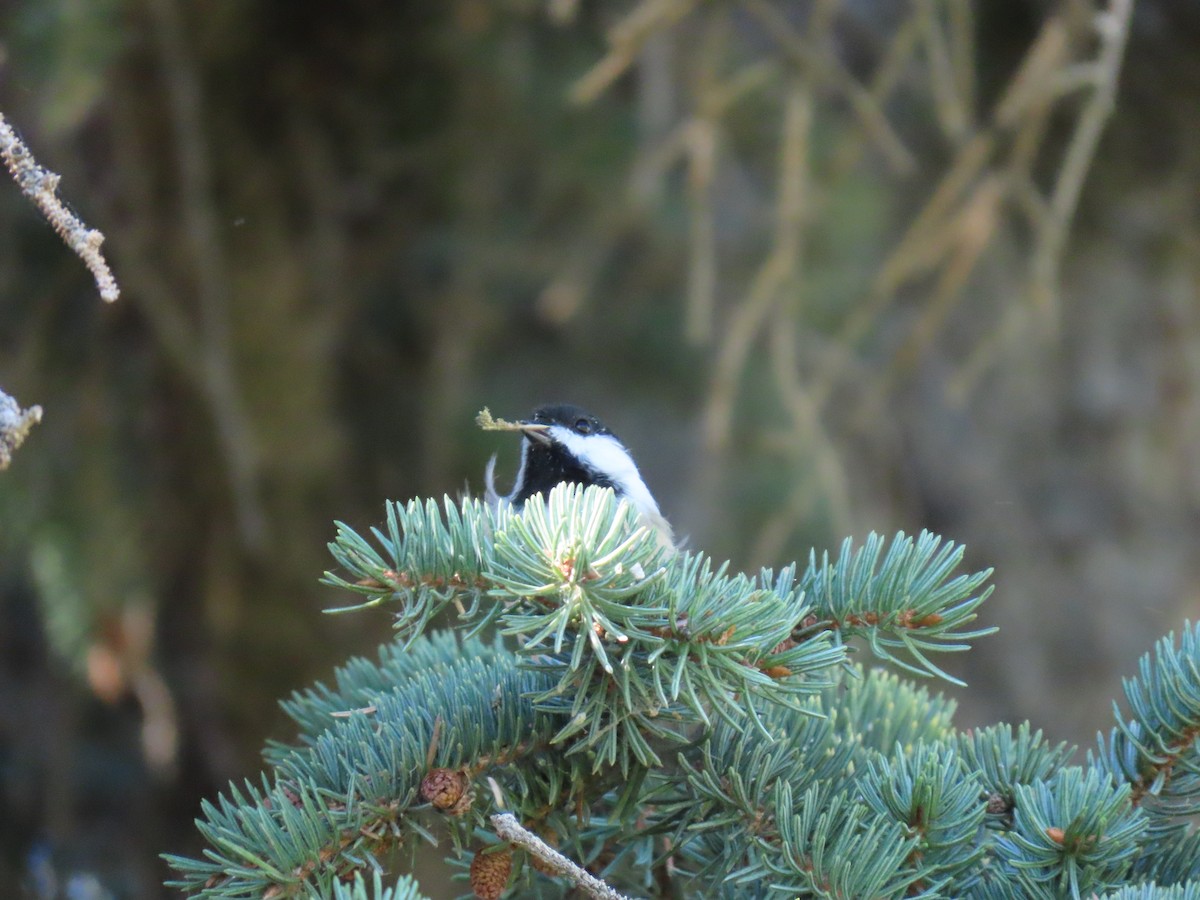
[(543, 467)]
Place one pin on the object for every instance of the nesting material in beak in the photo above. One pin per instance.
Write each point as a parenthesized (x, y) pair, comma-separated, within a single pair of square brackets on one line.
[(536, 431)]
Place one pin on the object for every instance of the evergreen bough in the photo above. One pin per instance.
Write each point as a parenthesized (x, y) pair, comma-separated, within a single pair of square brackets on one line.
[(681, 730)]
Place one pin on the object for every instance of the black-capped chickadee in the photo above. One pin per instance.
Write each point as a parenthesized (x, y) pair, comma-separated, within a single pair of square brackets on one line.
[(565, 443)]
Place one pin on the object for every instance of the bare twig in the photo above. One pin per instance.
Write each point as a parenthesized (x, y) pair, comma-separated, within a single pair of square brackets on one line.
[(667, 151), (933, 243), (810, 449), (160, 719), (1050, 51), (703, 144), (562, 12), (943, 80), (1113, 29), (781, 265), (508, 828), (990, 176), (235, 429), (14, 426), (41, 186), (962, 53), (702, 259), (626, 39), (972, 232), (889, 75), (815, 59)]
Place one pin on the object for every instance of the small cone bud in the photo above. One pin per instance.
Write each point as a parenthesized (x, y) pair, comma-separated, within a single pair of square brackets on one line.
[(446, 790), (489, 874)]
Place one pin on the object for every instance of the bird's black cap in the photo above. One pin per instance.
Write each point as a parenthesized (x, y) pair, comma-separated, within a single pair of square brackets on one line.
[(570, 416)]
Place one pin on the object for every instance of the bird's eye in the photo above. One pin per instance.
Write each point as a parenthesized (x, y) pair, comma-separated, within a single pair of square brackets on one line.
[(583, 426)]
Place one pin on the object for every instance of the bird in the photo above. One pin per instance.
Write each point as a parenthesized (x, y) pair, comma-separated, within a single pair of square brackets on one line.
[(562, 442)]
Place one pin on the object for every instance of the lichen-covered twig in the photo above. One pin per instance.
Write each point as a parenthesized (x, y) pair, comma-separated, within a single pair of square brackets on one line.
[(41, 186), (14, 426), (508, 828)]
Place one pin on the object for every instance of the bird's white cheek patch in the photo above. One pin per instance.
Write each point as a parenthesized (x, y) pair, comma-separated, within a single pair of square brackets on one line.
[(604, 454)]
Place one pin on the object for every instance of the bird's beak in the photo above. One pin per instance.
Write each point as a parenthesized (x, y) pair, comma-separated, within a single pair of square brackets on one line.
[(535, 431)]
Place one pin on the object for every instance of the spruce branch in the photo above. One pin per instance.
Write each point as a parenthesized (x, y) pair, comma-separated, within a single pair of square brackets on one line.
[(1155, 892), (934, 797), (789, 771), (360, 889), (835, 846), (1176, 856), (674, 726), (904, 605), (359, 683), (725, 812), (641, 642), (432, 559), (1003, 760), (878, 710), (354, 792), (1072, 836), (41, 186), (1157, 751), (588, 590)]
